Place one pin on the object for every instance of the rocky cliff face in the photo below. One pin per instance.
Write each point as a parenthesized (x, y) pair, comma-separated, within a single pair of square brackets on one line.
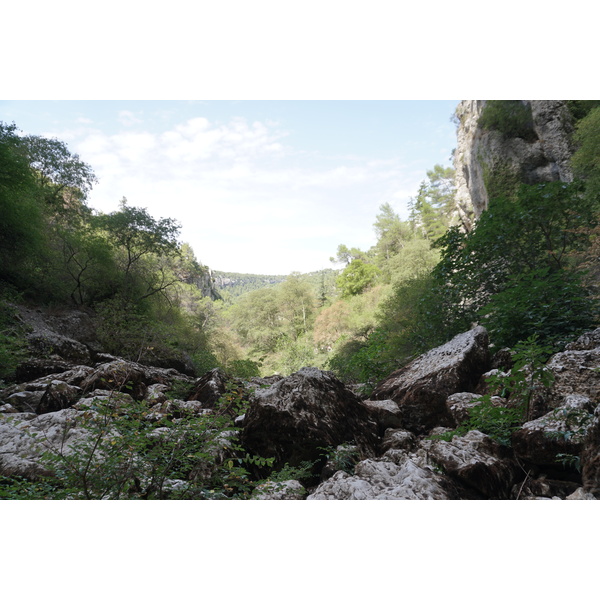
[(541, 155)]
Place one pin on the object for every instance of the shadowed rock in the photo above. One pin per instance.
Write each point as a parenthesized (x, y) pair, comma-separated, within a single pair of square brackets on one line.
[(297, 417)]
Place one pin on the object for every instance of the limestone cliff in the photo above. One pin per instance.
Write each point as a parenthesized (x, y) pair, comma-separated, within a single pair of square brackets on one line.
[(484, 155)]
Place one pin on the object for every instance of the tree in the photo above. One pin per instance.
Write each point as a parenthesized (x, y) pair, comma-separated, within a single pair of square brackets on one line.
[(22, 224), (516, 242), (392, 233), (357, 277), (143, 244), (346, 255), (63, 177), (297, 304), (586, 160), (431, 210), (256, 319)]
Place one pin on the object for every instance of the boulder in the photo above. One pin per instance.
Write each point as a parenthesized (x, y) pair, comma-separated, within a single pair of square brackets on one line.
[(209, 388), (280, 490), (385, 479), (398, 439), (476, 461), (299, 416), (590, 458), (560, 431), (386, 413), (58, 395), (35, 368), (421, 388), (51, 345), (119, 375), (575, 371), (543, 487), (25, 437)]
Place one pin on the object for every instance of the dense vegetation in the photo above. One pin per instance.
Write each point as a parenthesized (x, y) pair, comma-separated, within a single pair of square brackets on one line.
[(126, 266), (528, 266)]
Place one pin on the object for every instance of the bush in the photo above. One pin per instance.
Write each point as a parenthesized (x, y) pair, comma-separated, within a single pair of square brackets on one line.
[(554, 306), (13, 346), (511, 118)]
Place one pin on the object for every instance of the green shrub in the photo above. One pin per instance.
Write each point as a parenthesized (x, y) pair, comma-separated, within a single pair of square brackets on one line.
[(13, 345), (512, 118)]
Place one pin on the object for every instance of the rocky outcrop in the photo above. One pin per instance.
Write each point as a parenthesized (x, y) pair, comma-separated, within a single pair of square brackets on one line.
[(543, 156), (326, 442), (478, 462), (393, 477), (421, 388), (574, 371), (560, 432)]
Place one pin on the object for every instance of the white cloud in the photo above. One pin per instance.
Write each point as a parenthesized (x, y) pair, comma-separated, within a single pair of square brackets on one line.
[(246, 202), (127, 118)]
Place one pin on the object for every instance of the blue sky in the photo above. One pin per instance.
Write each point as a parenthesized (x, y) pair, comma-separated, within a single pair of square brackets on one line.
[(258, 186)]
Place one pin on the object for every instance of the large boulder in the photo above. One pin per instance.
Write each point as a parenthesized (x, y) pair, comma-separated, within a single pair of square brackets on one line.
[(421, 388), (25, 437), (561, 431), (477, 462), (396, 476), (298, 417), (120, 376), (590, 458), (575, 371)]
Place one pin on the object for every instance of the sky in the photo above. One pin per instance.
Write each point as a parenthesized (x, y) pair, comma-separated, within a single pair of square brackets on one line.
[(266, 187)]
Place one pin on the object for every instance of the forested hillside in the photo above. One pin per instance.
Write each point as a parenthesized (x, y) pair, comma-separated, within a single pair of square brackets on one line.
[(526, 266)]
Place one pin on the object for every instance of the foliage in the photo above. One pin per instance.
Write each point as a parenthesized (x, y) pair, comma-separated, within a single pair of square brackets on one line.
[(581, 108), (132, 452), (13, 347), (431, 210), (244, 368), (364, 361), (62, 176), (556, 306), (512, 118), (586, 160), (501, 179), (142, 243), (392, 233), (346, 255), (22, 235), (234, 285), (357, 277), (517, 242), (342, 458)]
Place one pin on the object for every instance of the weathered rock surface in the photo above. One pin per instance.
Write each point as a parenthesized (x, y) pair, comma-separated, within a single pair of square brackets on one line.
[(560, 431), (209, 388), (25, 437), (386, 413), (380, 448), (478, 462), (590, 458), (384, 479), (421, 388), (297, 417), (544, 156), (280, 490), (575, 371)]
